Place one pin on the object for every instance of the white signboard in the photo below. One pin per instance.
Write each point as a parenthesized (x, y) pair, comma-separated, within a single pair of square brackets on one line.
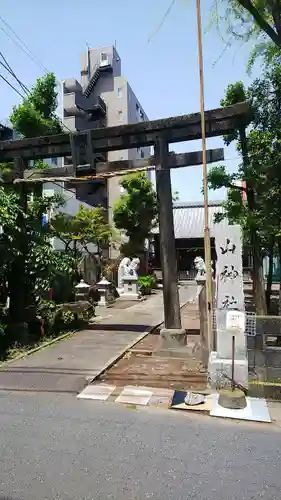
[(229, 269), (235, 321)]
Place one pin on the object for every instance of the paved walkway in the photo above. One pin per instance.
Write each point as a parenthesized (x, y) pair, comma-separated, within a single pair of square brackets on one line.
[(64, 366)]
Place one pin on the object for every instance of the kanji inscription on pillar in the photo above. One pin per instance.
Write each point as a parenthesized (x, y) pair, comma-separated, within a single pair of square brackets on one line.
[(229, 268)]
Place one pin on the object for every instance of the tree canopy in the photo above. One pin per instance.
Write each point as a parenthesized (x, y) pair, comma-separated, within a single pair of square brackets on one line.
[(87, 226), (259, 169), (245, 20), (36, 116), (136, 211)]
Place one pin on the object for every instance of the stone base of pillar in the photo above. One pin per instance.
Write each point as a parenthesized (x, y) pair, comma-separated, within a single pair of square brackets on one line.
[(173, 344), (217, 367), (173, 338), (130, 296)]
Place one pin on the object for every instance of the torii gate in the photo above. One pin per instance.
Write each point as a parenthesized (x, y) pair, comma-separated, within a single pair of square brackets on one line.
[(84, 147)]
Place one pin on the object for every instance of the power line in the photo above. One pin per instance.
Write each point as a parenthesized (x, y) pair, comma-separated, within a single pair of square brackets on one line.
[(8, 68), (24, 47), (14, 88), (162, 20)]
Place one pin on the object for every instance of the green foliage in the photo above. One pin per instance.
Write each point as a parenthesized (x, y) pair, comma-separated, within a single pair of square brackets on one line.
[(267, 52), (88, 226), (57, 320), (42, 263), (234, 94), (92, 225), (259, 169), (247, 20), (36, 115), (135, 212), (146, 284)]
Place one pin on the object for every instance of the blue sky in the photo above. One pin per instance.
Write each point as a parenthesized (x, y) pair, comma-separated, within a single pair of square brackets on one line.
[(163, 72)]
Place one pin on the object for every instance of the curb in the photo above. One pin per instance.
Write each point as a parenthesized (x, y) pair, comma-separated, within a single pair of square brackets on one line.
[(116, 358), (44, 345)]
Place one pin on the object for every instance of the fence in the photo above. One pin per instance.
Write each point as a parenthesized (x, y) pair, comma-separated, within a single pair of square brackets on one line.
[(263, 345)]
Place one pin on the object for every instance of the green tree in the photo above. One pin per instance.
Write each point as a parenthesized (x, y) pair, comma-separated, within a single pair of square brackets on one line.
[(135, 212), (87, 226), (260, 170), (36, 116), (41, 262), (248, 18), (245, 20), (236, 211)]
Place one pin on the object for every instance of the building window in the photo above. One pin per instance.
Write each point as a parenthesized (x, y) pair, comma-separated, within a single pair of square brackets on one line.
[(142, 154), (137, 108), (120, 116), (120, 92), (104, 59)]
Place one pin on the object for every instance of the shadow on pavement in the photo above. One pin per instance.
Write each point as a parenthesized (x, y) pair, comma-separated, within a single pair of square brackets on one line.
[(118, 327)]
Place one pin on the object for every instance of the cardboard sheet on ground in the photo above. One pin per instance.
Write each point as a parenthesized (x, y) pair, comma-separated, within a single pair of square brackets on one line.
[(179, 404)]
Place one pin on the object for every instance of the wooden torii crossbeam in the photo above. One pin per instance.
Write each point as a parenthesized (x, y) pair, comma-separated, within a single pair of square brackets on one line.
[(85, 146), (105, 170), (175, 129)]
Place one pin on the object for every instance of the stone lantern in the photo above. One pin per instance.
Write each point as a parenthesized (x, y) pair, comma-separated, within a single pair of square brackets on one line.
[(82, 291), (104, 290)]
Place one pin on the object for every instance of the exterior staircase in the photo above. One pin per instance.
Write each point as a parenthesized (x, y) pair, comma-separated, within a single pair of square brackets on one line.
[(94, 78)]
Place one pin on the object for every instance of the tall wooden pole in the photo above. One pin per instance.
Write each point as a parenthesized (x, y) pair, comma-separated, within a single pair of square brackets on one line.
[(207, 244), (172, 316)]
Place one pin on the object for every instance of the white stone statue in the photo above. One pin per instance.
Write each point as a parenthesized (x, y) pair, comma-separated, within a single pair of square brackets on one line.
[(200, 266), (123, 270), (134, 266)]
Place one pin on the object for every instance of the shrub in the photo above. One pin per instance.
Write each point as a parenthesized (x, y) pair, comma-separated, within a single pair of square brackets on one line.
[(56, 320), (146, 283), (4, 342)]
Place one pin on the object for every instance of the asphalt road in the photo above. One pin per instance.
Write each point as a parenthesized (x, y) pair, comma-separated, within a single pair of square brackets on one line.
[(55, 447)]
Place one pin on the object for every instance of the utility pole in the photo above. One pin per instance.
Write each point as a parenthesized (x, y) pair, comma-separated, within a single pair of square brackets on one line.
[(207, 244)]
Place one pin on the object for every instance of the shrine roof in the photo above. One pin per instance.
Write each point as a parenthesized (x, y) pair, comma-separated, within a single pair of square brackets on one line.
[(189, 219)]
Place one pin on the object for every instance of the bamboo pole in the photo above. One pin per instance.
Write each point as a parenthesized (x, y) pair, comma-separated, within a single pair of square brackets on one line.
[(207, 245)]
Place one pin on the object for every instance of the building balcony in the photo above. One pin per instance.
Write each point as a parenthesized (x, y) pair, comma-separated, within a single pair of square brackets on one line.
[(75, 104), (71, 85), (96, 110), (72, 105)]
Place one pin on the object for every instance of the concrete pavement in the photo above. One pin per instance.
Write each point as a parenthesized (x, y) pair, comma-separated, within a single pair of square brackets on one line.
[(53, 448), (64, 366)]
